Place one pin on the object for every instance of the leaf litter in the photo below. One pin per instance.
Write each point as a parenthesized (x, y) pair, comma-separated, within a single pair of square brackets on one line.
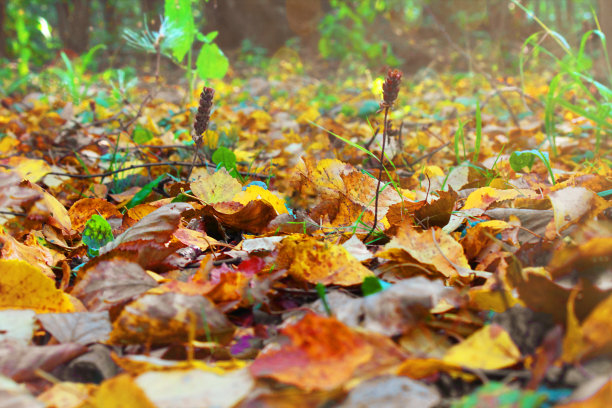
[(236, 280)]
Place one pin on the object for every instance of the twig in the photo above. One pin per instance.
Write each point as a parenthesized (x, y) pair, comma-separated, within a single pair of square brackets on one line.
[(147, 165), (427, 155), (16, 214)]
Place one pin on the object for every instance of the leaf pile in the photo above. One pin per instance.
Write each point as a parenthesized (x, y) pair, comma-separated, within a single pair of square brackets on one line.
[(123, 283)]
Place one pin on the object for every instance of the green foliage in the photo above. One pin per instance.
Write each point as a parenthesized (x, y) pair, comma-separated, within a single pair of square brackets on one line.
[(144, 192), (348, 32), (96, 234), (521, 159), (592, 99), (211, 62), (321, 292), (141, 135), (224, 157), (72, 77), (178, 13), (371, 285)]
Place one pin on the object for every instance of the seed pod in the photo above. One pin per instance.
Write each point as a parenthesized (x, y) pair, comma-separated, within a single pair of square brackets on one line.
[(391, 87), (203, 116)]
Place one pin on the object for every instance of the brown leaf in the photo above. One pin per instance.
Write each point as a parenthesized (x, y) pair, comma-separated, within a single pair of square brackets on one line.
[(109, 283), (157, 226), (12, 195), (79, 328), (170, 317), (20, 361), (253, 217)]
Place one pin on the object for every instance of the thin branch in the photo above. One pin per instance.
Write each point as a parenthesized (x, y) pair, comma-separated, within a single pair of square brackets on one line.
[(148, 165)]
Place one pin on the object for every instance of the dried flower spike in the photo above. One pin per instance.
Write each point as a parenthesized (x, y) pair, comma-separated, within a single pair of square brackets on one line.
[(391, 87), (203, 116)]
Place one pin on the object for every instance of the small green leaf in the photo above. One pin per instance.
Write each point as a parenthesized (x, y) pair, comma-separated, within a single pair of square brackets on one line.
[(368, 108), (208, 38), (521, 159), (211, 63), (370, 285), (141, 135), (96, 234), (225, 157)]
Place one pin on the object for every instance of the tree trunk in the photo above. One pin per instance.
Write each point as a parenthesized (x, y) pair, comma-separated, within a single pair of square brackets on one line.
[(264, 22), (73, 24), (605, 19), (152, 9), (109, 11), (3, 51)]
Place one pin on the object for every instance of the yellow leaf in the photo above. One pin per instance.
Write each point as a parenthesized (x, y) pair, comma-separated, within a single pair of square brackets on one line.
[(485, 196), (310, 115), (216, 188), (253, 193), (119, 392), (490, 348), (29, 169), (310, 260), (23, 286)]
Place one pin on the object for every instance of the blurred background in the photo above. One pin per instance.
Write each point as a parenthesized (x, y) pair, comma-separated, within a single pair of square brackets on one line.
[(458, 35)]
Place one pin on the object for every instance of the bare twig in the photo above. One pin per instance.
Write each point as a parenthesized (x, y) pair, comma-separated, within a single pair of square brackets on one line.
[(148, 165)]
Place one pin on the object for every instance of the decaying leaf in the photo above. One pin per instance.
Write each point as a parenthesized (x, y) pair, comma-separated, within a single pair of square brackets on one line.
[(170, 317), (312, 261)]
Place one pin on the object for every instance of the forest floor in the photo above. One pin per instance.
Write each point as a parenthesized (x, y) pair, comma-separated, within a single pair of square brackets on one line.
[(135, 275)]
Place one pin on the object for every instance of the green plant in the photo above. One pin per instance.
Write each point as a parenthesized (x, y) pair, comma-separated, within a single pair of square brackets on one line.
[(348, 32), (521, 159), (224, 157), (594, 100), (175, 39), (72, 77), (96, 234)]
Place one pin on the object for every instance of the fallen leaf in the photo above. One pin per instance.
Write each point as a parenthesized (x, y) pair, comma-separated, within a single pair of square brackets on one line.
[(215, 188), (322, 354), (17, 325), (195, 388), (312, 261), (20, 361), (23, 286), (410, 246), (158, 226), (110, 283), (79, 328), (82, 210), (391, 392), (490, 348), (124, 385), (170, 317)]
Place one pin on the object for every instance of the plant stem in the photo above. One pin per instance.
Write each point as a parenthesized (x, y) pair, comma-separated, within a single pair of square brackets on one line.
[(381, 168)]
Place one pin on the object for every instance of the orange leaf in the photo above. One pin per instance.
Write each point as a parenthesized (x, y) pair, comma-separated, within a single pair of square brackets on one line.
[(323, 354), (82, 210)]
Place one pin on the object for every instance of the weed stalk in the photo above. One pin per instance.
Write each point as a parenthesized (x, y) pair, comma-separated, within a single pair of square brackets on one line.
[(390, 92)]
